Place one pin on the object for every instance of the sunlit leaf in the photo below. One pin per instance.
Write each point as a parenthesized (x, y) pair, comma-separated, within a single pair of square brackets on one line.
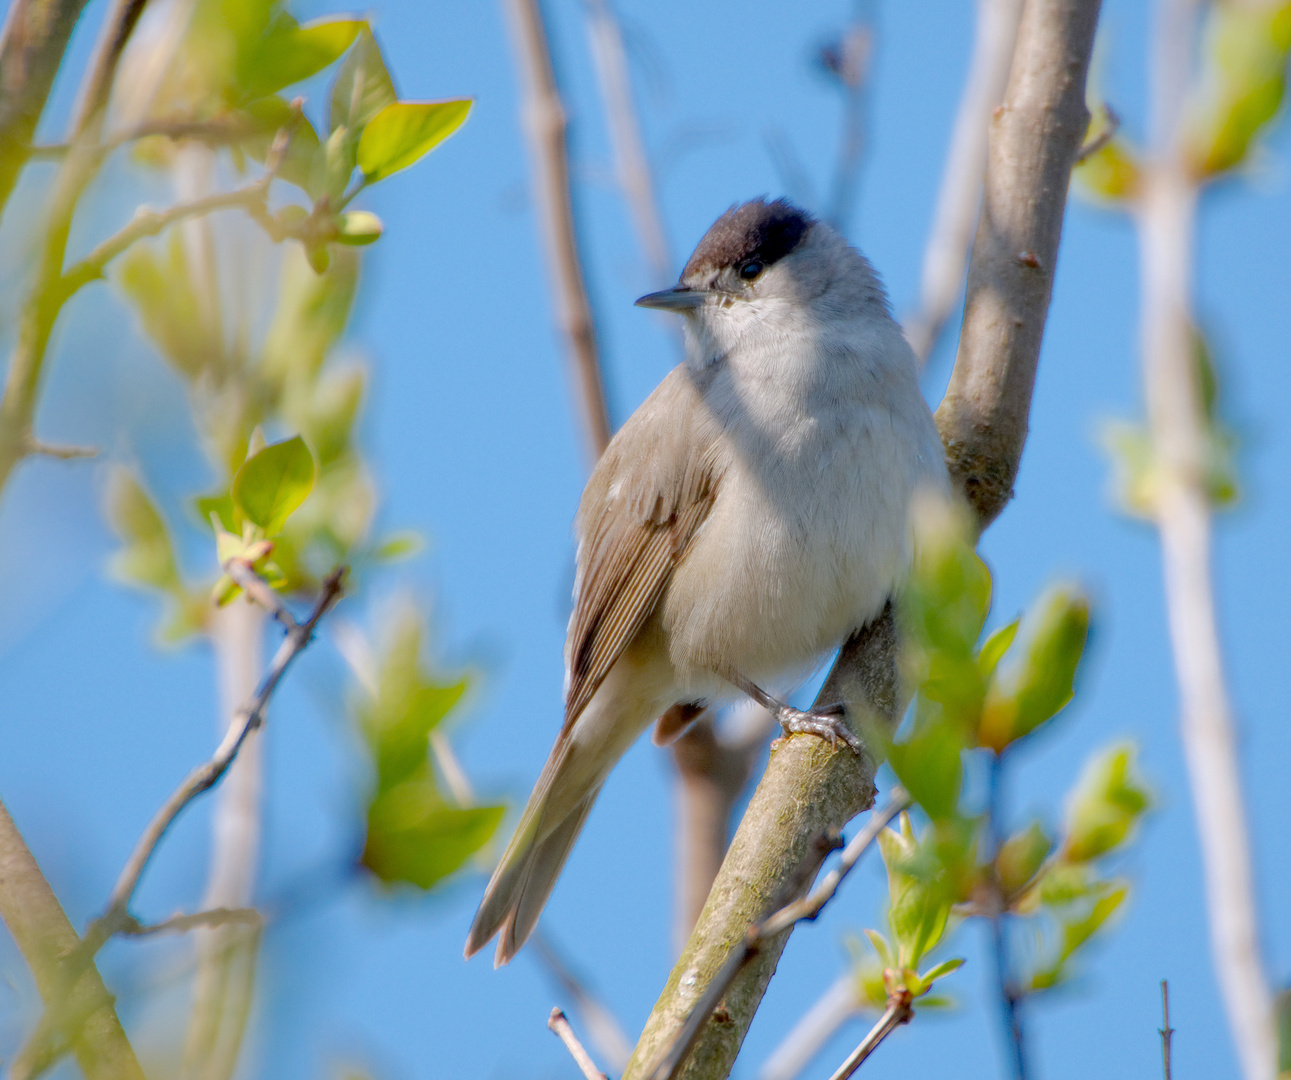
[(1035, 678), (147, 556), (1108, 801), (289, 53), (363, 86), (1020, 858), (274, 482), (995, 647), (402, 132)]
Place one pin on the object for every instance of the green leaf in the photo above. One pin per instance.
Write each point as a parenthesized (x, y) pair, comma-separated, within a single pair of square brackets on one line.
[(881, 947), (312, 313), (1020, 858), (147, 556), (397, 546), (929, 766), (273, 483), (289, 53), (302, 162), (403, 132), (1107, 803), (156, 279), (1035, 678), (358, 228), (363, 86), (222, 507), (415, 837), (941, 970), (995, 647), (1076, 932)]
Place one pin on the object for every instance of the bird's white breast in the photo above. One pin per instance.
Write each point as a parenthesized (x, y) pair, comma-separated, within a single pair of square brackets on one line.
[(808, 533)]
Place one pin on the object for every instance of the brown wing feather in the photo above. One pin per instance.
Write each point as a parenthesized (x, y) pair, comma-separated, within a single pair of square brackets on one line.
[(649, 495)]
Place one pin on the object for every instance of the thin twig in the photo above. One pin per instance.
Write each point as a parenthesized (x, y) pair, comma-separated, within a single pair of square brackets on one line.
[(545, 125), (558, 1023), (97, 88), (147, 222), (1103, 138), (849, 61), (44, 1044), (181, 924), (1182, 511), (1166, 1032), (945, 256), (1009, 998), (219, 131), (60, 451), (899, 1011), (206, 776), (603, 1028), (259, 590), (831, 1010), (779, 920), (631, 165)]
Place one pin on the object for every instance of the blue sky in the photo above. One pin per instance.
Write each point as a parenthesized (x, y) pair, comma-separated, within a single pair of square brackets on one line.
[(474, 439)]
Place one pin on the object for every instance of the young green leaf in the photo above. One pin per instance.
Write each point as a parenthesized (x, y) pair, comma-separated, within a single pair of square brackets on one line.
[(273, 483), (363, 86), (1107, 803), (995, 647), (1034, 680), (941, 970), (147, 556), (1020, 858), (402, 132), (881, 947), (290, 53)]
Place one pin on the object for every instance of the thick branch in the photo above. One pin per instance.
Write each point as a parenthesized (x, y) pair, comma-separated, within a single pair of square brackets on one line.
[(544, 121), (1035, 137), (35, 37), (807, 789), (47, 940)]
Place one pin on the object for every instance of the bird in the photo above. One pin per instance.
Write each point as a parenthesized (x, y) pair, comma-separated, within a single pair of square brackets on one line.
[(750, 515)]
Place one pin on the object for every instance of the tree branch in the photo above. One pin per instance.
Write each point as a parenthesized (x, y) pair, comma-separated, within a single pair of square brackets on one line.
[(1182, 510), (34, 39), (785, 912), (946, 254), (898, 1012), (559, 1023), (808, 790), (545, 125), (47, 941)]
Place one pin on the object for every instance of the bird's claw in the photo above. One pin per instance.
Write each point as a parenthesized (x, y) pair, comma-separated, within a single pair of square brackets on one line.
[(826, 722)]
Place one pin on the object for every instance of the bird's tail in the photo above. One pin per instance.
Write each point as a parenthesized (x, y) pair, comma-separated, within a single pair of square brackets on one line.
[(532, 862)]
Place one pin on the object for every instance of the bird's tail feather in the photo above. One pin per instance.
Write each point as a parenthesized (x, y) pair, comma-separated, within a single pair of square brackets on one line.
[(528, 869)]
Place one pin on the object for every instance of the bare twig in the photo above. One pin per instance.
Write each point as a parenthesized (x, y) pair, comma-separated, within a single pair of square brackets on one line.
[(946, 254), (545, 124), (780, 920), (1182, 511), (603, 1028), (631, 165), (1089, 149), (807, 789), (34, 39), (1165, 1031), (1008, 994), (203, 778), (259, 590), (181, 924), (42, 932), (849, 61), (558, 1023), (147, 222), (61, 452), (219, 131), (832, 1009), (899, 1011), (61, 1013)]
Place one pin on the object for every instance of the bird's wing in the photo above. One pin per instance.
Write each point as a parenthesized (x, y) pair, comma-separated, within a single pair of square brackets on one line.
[(648, 496)]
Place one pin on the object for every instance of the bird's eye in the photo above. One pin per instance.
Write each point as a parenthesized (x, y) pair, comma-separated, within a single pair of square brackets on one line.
[(750, 270)]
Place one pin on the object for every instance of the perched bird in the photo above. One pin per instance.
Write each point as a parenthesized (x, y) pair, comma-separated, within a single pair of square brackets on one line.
[(747, 517)]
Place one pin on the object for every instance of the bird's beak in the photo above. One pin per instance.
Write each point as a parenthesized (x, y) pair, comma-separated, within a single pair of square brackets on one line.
[(678, 298)]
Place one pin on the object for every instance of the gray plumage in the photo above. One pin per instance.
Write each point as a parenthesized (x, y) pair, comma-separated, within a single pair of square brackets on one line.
[(747, 517)]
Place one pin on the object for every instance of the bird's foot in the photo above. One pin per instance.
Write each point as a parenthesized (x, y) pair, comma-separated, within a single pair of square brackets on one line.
[(826, 722)]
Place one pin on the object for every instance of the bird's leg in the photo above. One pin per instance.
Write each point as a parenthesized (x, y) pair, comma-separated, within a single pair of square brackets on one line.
[(826, 722)]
